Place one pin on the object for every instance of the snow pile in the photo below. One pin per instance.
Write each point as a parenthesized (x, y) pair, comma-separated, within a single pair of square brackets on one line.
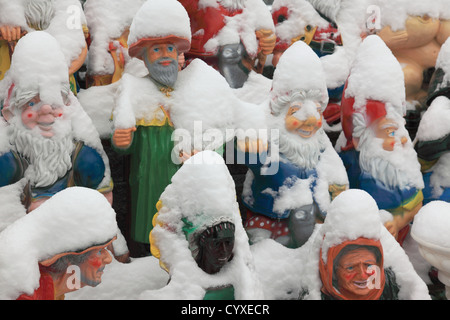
[(156, 25), (202, 193), (107, 20), (241, 27), (74, 219), (353, 214), (376, 75), (66, 25), (431, 225)]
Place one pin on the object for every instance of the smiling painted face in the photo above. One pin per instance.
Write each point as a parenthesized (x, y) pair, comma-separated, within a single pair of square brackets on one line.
[(353, 272), (304, 119), (40, 115)]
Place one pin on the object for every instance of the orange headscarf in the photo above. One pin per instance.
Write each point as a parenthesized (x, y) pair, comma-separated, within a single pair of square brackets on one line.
[(326, 269)]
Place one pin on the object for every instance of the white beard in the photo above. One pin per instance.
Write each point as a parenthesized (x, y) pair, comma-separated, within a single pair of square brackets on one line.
[(397, 168), (232, 4), (49, 158), (303, 152)]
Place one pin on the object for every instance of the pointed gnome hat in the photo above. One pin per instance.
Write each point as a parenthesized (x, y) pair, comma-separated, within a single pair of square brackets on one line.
[(300, 71), (71, 221), (440, 81), (375, 84), (38, 66), (159, 20)]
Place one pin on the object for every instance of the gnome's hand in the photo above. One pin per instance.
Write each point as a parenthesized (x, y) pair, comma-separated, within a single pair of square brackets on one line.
[(122, 138), (9, 33), (267, 40)]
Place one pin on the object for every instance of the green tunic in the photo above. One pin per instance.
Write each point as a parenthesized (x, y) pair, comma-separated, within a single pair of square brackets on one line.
[(151, 170)]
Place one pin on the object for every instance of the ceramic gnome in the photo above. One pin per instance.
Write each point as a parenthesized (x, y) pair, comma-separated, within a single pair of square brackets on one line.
[(109, 25), (163, 118), (432, 140), (415, 32), (430, 231), (64, 20), (286, 193), (358, 260), (54, 142), (199, 238), (233, 36), (377, 151), (64, 248)]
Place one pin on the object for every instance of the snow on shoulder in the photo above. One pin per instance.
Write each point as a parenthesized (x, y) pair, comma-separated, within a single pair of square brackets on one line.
[(431, 224), (201, 194), (72, 220)]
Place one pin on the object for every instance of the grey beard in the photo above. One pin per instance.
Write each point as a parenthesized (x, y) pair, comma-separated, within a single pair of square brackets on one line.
[(165, 75), (304, 153), (49, 159)]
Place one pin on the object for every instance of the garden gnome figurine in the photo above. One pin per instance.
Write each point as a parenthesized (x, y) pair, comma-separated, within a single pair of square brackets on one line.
[(284, 204), (64, 248), (432, 141), (377, 152), (55, 143), (199, 238), (162, 119), (353, 257)]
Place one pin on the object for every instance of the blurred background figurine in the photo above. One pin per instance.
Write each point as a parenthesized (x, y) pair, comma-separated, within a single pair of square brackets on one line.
[(432, 141), (286, 193), (353, 257), (233, 36), (65, 247)]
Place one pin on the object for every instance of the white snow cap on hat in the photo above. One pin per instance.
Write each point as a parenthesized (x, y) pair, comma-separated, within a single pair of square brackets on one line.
[(159, 19), (376, 75), (299, 70), (351, 215), (202, 191), (38, 64), (72, 220)]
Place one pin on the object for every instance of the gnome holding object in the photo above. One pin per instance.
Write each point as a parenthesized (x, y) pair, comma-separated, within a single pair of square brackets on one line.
[(161, 119), (432, 141), (231, 35), (378, 153), (55, 143), (288, 192), (64, 248), (199, 238)]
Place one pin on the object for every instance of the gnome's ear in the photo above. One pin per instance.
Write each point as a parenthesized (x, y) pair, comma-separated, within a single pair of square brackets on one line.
[(7, 114)]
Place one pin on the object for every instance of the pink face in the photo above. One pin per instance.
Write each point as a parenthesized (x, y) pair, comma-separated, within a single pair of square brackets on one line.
[(37, 114)]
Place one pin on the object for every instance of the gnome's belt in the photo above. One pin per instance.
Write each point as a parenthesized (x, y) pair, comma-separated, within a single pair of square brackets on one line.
[(323, 46)]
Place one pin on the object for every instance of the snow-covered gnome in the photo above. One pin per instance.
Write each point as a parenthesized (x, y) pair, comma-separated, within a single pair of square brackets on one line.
[(377, 151), (287, 191)]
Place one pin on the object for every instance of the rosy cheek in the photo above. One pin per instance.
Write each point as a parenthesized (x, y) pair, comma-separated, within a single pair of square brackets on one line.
[(95, 262), (29, 118), (350, 276)]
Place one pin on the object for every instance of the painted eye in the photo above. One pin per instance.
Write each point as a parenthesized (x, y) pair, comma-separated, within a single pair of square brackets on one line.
[(170, 48), (155, 49), (31, 103)]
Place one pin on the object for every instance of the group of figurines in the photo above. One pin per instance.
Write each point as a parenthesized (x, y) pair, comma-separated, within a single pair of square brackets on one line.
[(337, 110)]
